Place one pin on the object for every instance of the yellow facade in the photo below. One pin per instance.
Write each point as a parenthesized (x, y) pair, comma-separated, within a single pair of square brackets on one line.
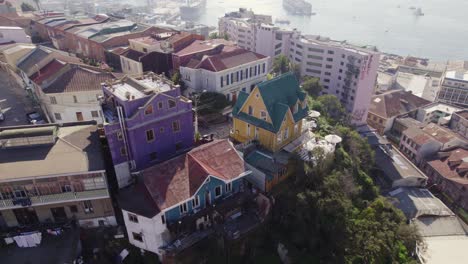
[(244, 132)]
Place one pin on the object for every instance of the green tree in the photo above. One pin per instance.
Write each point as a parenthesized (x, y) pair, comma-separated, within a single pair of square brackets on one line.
[(281, 65), (25, 7), (312, 86), (216, 35), (330, 107), (296, 70)]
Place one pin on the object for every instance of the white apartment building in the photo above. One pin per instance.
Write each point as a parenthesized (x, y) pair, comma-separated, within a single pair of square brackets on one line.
[(346, 71), (255, 33), (438, 113), (454, 88), (228, 72)]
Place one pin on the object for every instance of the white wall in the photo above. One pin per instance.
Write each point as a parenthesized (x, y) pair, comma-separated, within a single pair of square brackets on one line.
[(15, 34), (130, 66), (155, 234), (67, 108), (94, 222), (200, 79)]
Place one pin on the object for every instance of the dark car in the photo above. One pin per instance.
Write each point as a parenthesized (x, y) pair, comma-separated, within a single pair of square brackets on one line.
[(35, 118)]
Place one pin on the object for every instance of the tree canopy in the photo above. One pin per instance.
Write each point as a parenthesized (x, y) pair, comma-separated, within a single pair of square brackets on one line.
[(312, 86)]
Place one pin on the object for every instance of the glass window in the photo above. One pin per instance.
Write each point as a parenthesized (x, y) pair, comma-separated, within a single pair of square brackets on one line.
[(218, 191), (137, 236), (149, 110), (75, 100), (228, 187), (94, 114), (176, 126), (53, 100), (160, 105), (171, 103), (183, 208), (57, 116), (196, 202), (88, 207), (133, 218), (149, 135)]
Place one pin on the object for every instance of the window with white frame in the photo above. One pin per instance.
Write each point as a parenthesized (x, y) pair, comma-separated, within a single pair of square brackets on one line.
[(256, 133), (196, 201), (263, 115), (183, 208), (132, 218), (57, 116), (248, 130), (278, 137), (218, 191), (286, 133), (137, 236), (88, 207), (53, 100), (296, 129), (228, 187), (149, 135)]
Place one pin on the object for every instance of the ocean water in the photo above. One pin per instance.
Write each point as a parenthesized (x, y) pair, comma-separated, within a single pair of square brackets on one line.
[(441, 34)]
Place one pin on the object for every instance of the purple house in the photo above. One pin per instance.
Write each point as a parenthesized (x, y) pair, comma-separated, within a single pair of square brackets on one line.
[(147, 122)]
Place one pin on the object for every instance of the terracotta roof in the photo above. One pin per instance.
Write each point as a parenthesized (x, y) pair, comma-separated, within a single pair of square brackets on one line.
[(395, 103), (228, 58), (431, 131), (203, 45), (78, 79), (47, 71), (178, 179), (452, 165)]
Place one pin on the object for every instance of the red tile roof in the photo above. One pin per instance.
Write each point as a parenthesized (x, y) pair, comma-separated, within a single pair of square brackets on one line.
[(178, 179), (228, 58), (395, 103), (78, 79), (454, 167), (48, 70), (199, 46)]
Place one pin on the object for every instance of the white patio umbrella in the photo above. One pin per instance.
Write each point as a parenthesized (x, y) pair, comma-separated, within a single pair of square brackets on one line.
[(314, 114), (333, 139)]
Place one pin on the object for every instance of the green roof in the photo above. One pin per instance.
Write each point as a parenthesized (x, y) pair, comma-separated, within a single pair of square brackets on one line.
[(279, 94)]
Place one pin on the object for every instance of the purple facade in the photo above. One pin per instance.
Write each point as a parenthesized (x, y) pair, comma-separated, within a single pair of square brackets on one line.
[(155, 124)]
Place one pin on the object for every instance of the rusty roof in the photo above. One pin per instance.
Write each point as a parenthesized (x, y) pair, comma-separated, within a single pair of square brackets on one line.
[(395, 103)]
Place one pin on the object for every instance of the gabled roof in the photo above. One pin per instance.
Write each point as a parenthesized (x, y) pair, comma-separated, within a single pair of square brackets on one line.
[(228, 58), (178, 179), (47, 71), (395, 103), (279, 95), (452, 165), (34, 57), (78, 79)]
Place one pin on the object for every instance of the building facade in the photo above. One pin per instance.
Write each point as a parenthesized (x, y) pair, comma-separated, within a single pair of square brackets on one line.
[(229, 72), (454, 88), (459, 123), (449, 172), (272, 113), (438, 113), (70, 92), (147, 121), (175, 203), (68, 182), (346, 71)]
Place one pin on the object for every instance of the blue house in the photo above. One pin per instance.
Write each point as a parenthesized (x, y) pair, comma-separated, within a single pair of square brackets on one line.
[(185, 196)]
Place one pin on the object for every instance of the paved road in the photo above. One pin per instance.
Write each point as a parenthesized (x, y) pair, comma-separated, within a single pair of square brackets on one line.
[(14, 101)]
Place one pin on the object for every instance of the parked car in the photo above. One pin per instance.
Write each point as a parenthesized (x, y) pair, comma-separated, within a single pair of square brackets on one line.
[(35, 118)]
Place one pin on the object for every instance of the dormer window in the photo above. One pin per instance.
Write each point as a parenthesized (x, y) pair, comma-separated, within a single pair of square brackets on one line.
[(149, 110)]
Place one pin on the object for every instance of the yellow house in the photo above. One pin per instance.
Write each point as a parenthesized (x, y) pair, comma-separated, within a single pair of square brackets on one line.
[(272, 113)]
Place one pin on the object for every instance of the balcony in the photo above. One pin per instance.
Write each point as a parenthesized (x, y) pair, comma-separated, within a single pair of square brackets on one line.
[(53, 199)]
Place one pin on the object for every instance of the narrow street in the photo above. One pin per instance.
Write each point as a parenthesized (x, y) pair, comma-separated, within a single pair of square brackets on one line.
[(14, 101)]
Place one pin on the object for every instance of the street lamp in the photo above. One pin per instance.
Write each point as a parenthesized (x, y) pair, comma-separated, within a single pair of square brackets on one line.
[(196, 98)]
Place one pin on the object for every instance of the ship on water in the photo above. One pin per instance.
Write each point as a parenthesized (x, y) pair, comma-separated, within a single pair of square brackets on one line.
[(298, 7), (192, 9)]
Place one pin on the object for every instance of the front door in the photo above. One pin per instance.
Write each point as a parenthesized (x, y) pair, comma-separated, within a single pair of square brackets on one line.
[(59, 214), (79, 116), (26, 216)]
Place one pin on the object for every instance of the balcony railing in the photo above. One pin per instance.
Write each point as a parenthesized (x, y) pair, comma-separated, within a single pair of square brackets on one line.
[(53, 198)]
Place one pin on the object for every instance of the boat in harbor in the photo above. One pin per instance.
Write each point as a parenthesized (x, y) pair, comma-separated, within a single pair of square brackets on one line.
[(192, 9), (298, 7), (282, 21)]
